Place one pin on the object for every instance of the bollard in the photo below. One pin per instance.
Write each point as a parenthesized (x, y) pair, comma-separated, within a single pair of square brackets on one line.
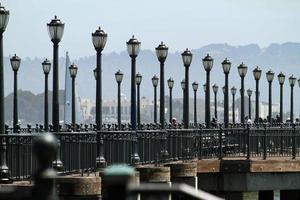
[(115, 181), (154, 174), (185, 172), (45, 148)]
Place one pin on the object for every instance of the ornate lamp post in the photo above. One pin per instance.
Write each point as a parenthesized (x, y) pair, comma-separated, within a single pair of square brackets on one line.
[(46, 68), (281, 79), (195, 88), (257, 74), (133, 49), (249, 92), (99, 38), (208, 62), (138, 80), (226, 64), (119, 78), (56, 30), (182, 83), (162, 53), (4, 172), (170, 84), (233, 92), (187, 59), (270, 77), (15, 62), (73, 72), (242, 69), (215, 90), (155, 83), (292, 81)]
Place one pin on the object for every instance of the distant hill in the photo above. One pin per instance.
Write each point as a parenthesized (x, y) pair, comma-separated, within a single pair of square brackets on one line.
[(278, 57)]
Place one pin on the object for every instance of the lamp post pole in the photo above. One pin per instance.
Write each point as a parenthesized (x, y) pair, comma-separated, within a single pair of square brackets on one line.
[(155, 83), (226, 64), (162, 53), (138, 84), (73, 72), (4, 171), (292, 81), (99, 38), (170, 84), (133, 49), (15, 64), (55, 29), (249, 92), (182, 83), (233, 92), (207, 64), (270, 77), (46, 64), (119, 78), (257, 74), (281, 79), (195, 88), (187, 59), (242, 69), (215, 89)]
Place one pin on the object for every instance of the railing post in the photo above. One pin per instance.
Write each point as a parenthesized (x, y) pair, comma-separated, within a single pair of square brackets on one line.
[(294, 141), (220, 143), (200, 143), (248, 141), (265, 143)]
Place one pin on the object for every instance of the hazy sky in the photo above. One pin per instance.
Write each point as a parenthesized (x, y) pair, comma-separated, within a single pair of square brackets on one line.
[(181, 24)]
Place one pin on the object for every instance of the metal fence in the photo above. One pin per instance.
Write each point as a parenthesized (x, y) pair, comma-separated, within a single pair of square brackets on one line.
[(79, 150)]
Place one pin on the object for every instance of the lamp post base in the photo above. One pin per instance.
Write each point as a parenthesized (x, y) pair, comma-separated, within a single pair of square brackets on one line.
[(135, 158), (4, 175), (101, 162), (58, 165)]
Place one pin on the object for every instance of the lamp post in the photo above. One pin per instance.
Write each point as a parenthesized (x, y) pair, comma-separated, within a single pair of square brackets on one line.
[(242, 69), (195, 88), (56, 30), (233, 92), (15, 62), (270, 77), (215, 90), (187, 59), (119, 78), (73, 72), (99, 38), (46, 64), (281, 79), (182, 83), (249, 92), (138, 81), (162, 53), (133, 49), (208, 62), (292, 81), (226, 64), (170, 84), (155, 83), (4, 171), (257, 74)]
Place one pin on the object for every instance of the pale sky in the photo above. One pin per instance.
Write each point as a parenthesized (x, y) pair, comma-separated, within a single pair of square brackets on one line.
[(179, 23)]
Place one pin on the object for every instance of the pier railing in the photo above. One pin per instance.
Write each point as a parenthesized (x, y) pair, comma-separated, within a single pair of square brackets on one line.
[(78, 150)]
